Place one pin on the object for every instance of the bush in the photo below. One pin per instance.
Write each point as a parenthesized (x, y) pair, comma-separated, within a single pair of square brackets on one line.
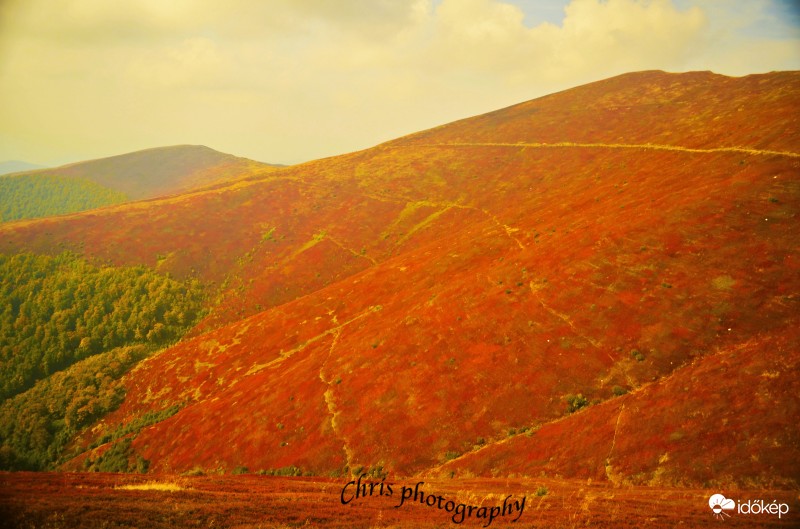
[(137, 424), (117, 459), (575, 402), (618, 391), (142, 465), (288, 471)]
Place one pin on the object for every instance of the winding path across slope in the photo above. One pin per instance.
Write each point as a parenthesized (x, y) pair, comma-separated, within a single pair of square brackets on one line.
[(646, 146)]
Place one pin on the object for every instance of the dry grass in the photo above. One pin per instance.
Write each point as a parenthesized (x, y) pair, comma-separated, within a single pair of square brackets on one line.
[(153, 485)]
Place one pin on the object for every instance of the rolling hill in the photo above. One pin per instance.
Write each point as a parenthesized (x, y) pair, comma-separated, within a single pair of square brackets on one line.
[(138, 175), (598, 283), (159, 171)]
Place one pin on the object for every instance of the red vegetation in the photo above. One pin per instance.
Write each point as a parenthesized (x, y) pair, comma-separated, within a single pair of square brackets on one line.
[(403, 305), (704, 424), (249, 502), (696, 110)]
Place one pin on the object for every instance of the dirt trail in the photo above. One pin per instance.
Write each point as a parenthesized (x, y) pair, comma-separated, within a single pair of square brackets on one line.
[(643, 146)]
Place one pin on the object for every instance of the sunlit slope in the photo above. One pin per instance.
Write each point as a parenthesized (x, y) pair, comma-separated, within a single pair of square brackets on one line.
[(693, 110), (730, 417), (159, 171), (461, 340), (399, 306)]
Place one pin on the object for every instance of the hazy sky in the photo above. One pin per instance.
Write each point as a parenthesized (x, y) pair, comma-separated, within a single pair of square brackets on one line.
[(291, 80)]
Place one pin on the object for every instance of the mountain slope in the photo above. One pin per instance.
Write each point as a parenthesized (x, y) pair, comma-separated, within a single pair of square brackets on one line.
[(713, 409), (692, 110), (394, 308)]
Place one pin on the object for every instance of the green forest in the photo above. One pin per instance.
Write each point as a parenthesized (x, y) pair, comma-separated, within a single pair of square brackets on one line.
[(37, 425), (57, 311), (40, 195)]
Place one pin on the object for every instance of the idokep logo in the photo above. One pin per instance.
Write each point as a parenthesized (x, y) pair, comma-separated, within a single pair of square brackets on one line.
[(719, 504)]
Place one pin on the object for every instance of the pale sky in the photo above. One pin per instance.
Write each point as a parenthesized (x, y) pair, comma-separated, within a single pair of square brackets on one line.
[(286, 81)]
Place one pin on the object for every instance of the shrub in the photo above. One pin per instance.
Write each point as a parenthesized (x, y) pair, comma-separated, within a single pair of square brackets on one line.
[(288, 471), (142, 465), (377, 472), (575, 402), (117, 459)]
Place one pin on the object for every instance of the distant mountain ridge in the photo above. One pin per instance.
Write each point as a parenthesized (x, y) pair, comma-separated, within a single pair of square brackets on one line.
[(160, 171), (15, 166), (150, 173)]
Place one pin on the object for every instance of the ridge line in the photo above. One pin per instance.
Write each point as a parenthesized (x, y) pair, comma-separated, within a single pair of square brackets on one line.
[(643, 146)]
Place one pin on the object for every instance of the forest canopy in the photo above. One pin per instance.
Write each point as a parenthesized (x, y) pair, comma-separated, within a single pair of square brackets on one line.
[(69, 331), (41, 195), (36, 426), (57, 310)]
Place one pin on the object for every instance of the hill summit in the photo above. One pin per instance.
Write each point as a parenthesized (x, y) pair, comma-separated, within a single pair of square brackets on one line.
[(159, 171)]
